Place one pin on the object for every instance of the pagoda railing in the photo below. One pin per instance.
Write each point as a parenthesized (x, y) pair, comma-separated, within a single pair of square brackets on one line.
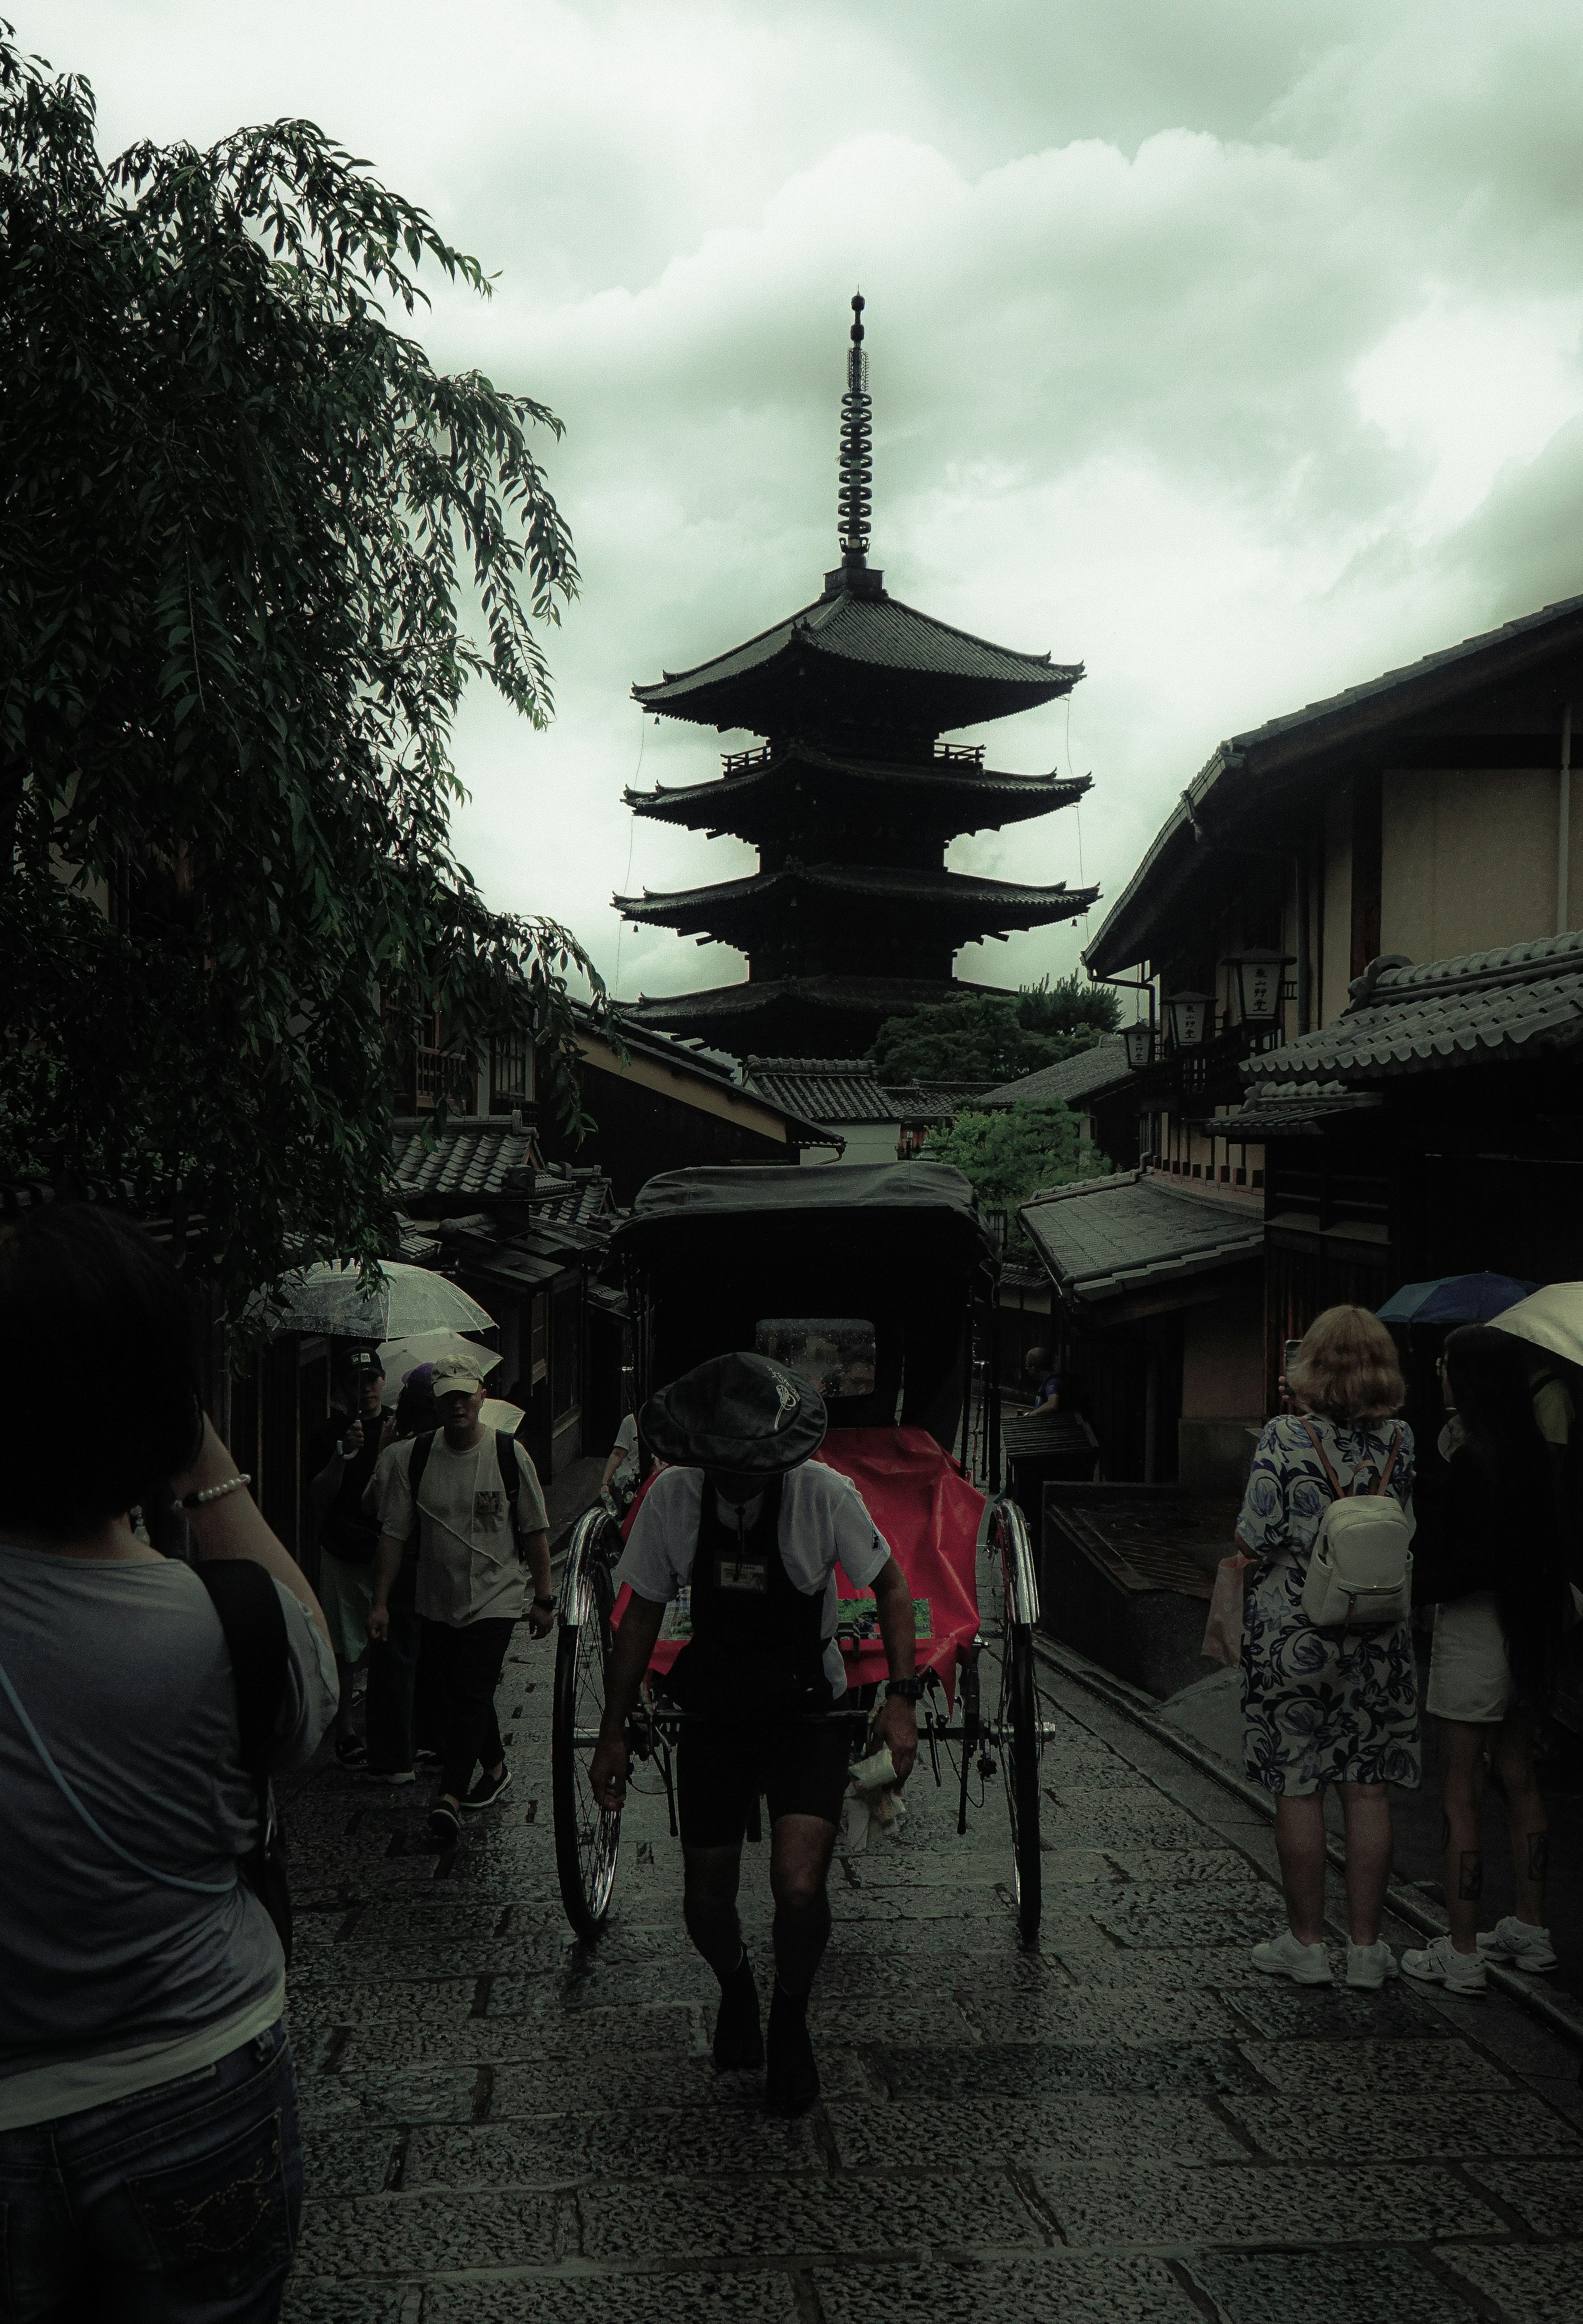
[(739, 762), (960, 754)]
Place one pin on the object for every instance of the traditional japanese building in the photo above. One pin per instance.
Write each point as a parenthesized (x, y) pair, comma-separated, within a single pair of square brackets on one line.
[(852, 916)]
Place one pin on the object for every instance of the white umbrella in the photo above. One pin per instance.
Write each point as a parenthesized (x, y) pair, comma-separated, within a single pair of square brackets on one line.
[(494, 1412), (1551, 1318), (401, 1356), (333, 1299)]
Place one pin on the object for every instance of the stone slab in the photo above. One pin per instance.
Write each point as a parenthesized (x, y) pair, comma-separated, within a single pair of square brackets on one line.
[(636, 2143), (1335, 2129), (567, 2046), (1400, 2066), (743, 2216), (1169, 2206), (1196, 1868), (322, 2300), (1137, 2014), (1162, 1915), (1364, 2287), (1062, 2289), (402, 2235), (434, 2094), (1074, 2127), (524, 2091), (1285, 2012), (740, 2297), (1006, 2073), (1527, 2286), (339, 2158), (1547, 2197)]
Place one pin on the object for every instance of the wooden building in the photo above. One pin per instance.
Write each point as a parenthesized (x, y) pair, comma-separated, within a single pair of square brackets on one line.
[(851, 917), (1400, 1120)]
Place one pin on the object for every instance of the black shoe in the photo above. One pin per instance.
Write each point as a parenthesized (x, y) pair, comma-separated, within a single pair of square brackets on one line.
[(444, 1824), (350, 1751), (488, 1789), (792, 2084), (739, 2040)]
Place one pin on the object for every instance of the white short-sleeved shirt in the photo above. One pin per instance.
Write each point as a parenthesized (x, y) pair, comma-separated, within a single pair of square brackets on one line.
[(824, 1523), (468, 1564)]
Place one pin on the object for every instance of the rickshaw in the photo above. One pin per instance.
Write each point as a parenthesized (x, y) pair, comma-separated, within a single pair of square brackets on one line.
[(878, 1281)]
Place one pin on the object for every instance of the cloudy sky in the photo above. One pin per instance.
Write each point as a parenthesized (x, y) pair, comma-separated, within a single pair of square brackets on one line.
[(1231, 348)]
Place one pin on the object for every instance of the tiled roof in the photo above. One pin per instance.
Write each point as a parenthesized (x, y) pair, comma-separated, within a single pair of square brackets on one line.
[(1303, 1112), (876, 629), (1240, 771), (757, 996), (846, 1090), (943, 787), (985, 900), (468, 1158), (1110, 1237), (1483, 1008), (1081, 1075)]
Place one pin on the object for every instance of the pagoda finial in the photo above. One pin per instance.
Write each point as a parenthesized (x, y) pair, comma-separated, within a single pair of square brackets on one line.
[(857, 462)]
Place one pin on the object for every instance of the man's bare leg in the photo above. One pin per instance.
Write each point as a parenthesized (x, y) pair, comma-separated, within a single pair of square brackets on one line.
[(800, 1865), (710, 1910)]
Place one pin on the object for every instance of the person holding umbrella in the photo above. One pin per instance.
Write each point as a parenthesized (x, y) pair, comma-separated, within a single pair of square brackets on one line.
[(1502, 1604), (340, 1466)]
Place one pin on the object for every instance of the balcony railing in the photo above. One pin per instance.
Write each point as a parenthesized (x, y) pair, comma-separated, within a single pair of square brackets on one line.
[(741, 762), (960, 754)]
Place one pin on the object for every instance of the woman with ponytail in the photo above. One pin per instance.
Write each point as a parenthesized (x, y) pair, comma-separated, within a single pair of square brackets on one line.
[(1503, 1604)]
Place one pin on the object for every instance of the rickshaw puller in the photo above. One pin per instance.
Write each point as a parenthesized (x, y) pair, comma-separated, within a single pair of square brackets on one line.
[(754, 1527)]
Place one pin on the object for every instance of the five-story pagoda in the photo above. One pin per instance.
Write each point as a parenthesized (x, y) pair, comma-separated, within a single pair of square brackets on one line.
[(851, 917)]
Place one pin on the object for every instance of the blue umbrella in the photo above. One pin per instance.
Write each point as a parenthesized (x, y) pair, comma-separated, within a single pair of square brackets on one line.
[(1455, 1299)]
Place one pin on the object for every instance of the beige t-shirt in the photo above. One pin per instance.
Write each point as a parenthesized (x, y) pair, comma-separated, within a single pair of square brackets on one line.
[(468, 1564)]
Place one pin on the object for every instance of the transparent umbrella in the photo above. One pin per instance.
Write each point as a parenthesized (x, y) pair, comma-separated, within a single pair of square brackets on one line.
[(333, 1299), (401, 1356)]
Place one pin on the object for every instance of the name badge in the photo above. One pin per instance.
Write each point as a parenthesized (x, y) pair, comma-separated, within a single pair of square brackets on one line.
[(741, 1573)]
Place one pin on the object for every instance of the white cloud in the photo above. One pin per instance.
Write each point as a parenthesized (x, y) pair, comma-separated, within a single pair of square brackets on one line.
[(1231, 350)]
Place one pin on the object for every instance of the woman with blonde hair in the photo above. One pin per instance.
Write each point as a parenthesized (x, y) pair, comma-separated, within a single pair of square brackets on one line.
[(1327, 1706)]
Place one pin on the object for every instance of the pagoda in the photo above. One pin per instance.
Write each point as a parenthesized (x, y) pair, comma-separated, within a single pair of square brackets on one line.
[(851, 801)]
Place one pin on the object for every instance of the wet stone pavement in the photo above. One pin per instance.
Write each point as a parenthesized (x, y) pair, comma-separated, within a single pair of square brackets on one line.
[(1129, 2123)]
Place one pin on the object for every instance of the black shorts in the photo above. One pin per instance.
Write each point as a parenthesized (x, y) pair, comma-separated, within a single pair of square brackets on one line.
[(801, 1768)]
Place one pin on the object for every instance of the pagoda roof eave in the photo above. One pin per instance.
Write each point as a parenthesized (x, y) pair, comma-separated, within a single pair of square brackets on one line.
[(980, 904), (757, 996), (871, 636), (1003, 798)]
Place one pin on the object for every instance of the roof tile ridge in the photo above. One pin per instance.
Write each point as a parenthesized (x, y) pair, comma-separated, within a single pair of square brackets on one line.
[(1016, 653)]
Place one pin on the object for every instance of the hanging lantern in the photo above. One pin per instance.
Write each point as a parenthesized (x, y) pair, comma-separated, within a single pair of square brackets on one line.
[(1191, 1016), (1139, 1041), (1256, 979)]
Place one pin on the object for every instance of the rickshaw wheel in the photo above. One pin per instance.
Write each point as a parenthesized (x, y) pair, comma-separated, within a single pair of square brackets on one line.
[(1021, 1733), (1020, 1739), (588, 1837)]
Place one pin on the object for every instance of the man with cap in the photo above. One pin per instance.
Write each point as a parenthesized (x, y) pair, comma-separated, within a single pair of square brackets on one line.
[(474, 1502), (341, 1458), (753, 1527)]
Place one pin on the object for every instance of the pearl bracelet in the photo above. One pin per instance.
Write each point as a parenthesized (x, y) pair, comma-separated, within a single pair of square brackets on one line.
[(210, 1493)]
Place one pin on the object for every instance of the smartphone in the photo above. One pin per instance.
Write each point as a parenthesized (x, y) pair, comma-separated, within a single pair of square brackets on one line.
[(1293, 1351)]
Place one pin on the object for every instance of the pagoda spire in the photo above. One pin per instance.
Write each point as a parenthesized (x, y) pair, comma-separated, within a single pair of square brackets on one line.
[(852, 577), (857, 459)]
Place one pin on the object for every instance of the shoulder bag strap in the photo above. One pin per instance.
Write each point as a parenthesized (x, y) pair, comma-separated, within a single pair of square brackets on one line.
[(505, 1453), (245, 1598), (1312, 1437), (416, 1463)]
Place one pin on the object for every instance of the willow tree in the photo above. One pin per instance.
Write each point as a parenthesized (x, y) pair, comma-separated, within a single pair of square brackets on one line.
[(252, 547)]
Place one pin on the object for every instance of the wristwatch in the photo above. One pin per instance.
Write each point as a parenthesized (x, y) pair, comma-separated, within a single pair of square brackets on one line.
[(545, 1605), (909, 1689)]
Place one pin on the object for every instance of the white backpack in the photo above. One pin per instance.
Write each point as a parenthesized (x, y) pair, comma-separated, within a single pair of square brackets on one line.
[(1360, 1569)]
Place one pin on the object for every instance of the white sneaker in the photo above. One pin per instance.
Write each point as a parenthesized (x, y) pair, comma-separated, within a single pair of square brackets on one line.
[(1368, 1966), (1519, 1942), (1282, 1956), (1441, 1964)]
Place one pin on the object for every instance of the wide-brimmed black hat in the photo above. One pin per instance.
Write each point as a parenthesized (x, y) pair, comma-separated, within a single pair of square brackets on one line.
[(738, 1412)]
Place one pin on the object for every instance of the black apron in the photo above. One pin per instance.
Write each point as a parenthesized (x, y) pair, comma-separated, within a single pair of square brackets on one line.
[(758, 1648)]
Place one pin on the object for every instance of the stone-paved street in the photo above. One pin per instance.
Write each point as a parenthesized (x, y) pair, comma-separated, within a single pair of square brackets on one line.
[(1130, 2124)]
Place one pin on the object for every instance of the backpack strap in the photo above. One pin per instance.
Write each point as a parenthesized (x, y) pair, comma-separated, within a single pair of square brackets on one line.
[(1324, 1457), (1390, 1464), (416, 1463), (505, 1453), (246, 1600)]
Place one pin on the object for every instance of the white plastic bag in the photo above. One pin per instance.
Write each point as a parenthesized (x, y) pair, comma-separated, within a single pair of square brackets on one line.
[(1223, 1630)]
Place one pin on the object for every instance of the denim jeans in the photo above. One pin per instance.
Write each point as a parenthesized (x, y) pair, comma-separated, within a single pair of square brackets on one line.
[(179, 2205)]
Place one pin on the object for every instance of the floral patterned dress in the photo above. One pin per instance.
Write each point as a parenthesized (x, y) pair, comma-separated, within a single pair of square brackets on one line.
[(1318, 1706)]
